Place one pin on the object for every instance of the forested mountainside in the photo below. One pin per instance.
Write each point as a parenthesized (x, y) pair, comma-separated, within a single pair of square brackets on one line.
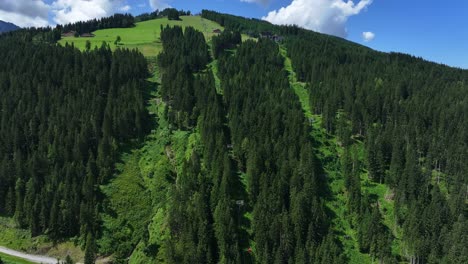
[(298, 148), (64, 113), (411, 114), (283, 180), (6, 26)]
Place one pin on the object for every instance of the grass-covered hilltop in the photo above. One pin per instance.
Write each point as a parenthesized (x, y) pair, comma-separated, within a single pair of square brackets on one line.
[(179, 138)]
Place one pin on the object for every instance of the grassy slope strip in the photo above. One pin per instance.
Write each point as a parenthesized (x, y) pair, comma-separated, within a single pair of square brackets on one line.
[(161, 178), (135, 219), (329, 151), (145, 176)]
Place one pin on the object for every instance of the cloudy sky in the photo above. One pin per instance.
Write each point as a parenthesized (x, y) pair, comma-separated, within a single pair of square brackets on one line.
[(434, 30)]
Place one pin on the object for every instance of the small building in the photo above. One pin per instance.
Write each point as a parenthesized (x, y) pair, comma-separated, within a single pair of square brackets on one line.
[(266, 34), (87, 35), (217, 31), (277, 38), (69, 34), (271, 36)]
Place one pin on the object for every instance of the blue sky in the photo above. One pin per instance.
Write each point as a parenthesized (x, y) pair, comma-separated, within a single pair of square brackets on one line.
[(434, 30)]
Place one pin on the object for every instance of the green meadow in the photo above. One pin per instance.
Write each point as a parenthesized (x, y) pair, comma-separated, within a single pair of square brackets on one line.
[(144, 36)]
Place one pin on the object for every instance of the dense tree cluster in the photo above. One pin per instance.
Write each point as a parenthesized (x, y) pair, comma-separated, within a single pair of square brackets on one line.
[(168, 12), (203, 216), (225, 40), (148, 16), (114, 21), (35, 35), (184, 53), (271, 140), (284, 179), (253, 27), (412, 116), (172, 13), (236, 23), (63, 115)]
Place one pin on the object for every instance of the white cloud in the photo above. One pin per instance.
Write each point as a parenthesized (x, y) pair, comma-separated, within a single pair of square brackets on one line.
[(262, 2), (368, 36), (158, 4), (326, 16), (24, 13), (125, 8), (69, 11)]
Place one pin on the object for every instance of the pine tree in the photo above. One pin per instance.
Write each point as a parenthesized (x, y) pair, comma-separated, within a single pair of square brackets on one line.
[(69, 260), (90, 251)]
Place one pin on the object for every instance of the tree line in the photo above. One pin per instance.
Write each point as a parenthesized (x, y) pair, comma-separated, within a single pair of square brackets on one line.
[(226, 40), (114, 21), (252, 27), (170, 13)]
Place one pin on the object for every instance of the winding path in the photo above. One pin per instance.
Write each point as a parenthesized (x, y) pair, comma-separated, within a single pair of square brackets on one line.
[(29, 257)]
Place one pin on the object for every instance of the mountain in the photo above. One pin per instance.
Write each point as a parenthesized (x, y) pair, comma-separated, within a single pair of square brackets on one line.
[(221, 139), (6, 26)]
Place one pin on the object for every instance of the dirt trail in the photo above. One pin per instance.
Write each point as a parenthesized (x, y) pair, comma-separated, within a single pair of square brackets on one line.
[(29, 257)]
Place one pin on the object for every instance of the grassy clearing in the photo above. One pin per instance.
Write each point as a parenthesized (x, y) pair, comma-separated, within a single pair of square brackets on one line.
[(17, 239), (144, 36), (21, 240)]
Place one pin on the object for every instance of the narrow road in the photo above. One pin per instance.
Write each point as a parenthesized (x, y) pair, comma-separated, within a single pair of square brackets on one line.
[(29, 257)]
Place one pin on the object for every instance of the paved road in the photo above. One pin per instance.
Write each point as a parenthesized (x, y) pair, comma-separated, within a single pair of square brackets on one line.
[(29, 257)]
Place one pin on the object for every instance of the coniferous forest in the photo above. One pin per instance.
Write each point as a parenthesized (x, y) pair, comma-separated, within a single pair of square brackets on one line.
[(411, 115), (63, 115), (244, 167)]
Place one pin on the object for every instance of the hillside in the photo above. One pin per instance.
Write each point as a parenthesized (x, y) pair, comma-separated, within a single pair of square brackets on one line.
[(6, 26), (144, 36), (230, 147)]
